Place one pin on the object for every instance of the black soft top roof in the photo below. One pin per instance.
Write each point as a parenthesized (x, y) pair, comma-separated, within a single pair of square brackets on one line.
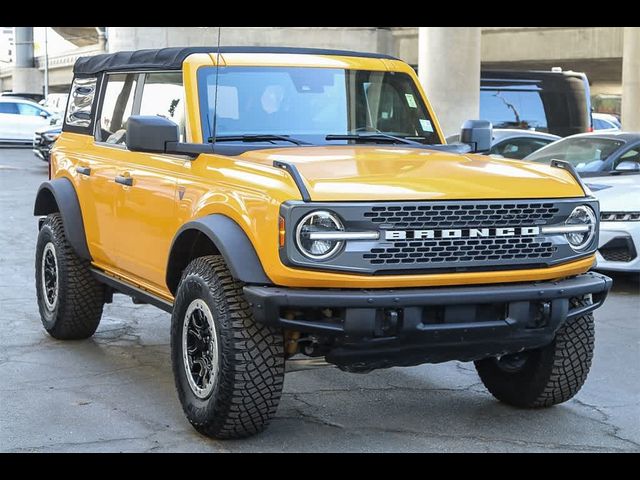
[(172, 58)]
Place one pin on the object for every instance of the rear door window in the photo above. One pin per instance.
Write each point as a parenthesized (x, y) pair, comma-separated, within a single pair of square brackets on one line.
[(26, 109), (9, 108), (117, 107)]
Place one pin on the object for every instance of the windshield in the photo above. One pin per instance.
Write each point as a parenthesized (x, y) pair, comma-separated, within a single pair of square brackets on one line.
[(585, 154), (309, 104)]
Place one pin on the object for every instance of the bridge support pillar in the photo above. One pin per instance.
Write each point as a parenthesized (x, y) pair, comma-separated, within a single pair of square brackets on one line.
[(449, 70), (26, 77), (631, 80)]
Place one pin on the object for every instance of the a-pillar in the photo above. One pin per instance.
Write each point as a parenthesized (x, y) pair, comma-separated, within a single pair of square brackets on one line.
[(449, 70), (631, 80), (26, 77)]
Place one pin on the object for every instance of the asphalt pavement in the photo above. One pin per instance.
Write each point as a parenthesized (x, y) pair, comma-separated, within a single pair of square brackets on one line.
[(115, 391)]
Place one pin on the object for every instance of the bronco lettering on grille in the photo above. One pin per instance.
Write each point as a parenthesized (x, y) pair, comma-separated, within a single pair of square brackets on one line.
[(461, 233)]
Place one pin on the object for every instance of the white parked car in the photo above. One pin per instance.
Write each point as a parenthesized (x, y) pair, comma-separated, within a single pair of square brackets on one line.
[(604, 122), (619, 245), (20, 118)]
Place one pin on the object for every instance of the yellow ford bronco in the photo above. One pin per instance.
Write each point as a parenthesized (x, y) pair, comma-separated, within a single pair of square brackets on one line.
[(282, 202)]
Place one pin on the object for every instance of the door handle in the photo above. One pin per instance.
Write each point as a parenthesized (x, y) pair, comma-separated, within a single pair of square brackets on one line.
[(122, 180), (83, 171)]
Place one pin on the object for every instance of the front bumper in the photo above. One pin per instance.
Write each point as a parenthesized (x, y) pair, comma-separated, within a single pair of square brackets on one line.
[(410, 326), (42, 153), (619, 247)]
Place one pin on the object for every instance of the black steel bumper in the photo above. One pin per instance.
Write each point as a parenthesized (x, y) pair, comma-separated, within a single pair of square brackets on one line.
[(411, 326)]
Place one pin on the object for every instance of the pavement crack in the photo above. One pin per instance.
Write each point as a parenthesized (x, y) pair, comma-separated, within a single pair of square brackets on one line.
[(606, 422), (310, 417)]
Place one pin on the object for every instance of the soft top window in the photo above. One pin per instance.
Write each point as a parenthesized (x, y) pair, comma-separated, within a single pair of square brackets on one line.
[(80, 103)]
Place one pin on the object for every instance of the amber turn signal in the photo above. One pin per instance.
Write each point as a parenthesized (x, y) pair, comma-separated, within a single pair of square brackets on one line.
[(281, 231)]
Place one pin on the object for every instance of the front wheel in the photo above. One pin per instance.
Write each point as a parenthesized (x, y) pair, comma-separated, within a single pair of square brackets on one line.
[(545, 376), (228, 369), (70, 299)]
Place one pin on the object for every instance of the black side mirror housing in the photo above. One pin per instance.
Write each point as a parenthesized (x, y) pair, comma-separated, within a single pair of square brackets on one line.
[(150, 133), (478, 135)]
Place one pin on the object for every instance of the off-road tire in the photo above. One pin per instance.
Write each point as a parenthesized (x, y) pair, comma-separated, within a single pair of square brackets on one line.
[(251, 363), (77, 310), (551, 374)]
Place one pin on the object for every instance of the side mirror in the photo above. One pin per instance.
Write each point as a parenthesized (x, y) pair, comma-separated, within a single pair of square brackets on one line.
[(149, 133), (43, 114), (628, 166), (477, 134)]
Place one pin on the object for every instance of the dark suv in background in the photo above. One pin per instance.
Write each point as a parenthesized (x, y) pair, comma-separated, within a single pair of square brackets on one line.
[(554, 101)]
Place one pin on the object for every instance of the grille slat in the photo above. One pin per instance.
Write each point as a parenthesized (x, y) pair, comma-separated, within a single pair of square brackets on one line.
[(461, 216), (538, 248)]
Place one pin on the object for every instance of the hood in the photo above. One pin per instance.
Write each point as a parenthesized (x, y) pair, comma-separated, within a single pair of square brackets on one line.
[(619, 193), (362, 173)]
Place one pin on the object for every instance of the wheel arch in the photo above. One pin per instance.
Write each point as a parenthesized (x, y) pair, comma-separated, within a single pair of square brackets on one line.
[(60, 196), (214, 234)]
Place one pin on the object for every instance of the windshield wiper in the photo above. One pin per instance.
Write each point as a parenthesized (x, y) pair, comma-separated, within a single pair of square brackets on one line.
[(258, 137), (373, 137)]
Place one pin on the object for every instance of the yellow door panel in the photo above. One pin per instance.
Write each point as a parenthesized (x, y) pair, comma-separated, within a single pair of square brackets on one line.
[(146, 215), (144, 210)]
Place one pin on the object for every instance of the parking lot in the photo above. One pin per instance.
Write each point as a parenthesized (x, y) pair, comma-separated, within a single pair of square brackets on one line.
[(115, 392)]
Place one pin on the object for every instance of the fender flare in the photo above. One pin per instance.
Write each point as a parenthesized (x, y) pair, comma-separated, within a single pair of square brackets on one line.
[(229, 239), (59, 195)]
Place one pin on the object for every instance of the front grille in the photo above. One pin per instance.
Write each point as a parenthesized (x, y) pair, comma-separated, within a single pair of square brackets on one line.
[(442, 236), (445, 252), (464, 215), (462, 250)]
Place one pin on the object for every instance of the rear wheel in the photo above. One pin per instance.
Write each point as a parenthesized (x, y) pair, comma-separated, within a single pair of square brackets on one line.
[(70, 299), (228, 369), (545, 376)]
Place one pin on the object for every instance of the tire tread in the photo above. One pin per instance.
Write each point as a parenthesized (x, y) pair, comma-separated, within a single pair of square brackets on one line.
[(560, 371), (81, 297), (250, 384)]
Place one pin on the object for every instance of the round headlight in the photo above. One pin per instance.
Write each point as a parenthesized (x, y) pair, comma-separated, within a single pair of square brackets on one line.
[(583, 216), (317, 223)]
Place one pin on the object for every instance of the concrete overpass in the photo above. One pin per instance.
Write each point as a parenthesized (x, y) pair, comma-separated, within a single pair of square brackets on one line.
[(598, 51)]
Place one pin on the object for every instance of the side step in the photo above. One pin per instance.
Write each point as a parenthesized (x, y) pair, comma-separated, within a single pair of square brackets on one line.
[(137, 294)]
